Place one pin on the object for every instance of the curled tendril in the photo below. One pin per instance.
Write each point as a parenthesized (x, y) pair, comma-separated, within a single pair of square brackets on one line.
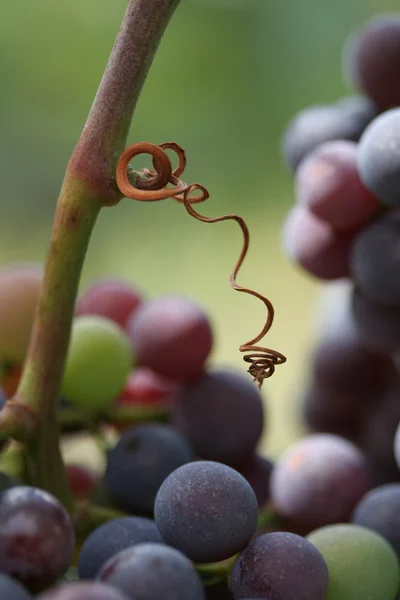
[(151, 186)]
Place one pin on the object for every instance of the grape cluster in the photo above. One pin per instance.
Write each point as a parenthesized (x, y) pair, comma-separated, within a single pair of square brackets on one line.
[(183, 506)]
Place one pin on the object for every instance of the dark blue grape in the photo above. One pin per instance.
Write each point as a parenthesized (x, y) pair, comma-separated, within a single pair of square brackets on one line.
[(221, 414), (378, 157), (345, 120), (372, 59), (280, 566), (207, 510), (112, 537), (379, 510), (36, 537), (144, 456), (375, 260), (11, 589), (153, 572), (378, 326), (83, 590), (257, 471)]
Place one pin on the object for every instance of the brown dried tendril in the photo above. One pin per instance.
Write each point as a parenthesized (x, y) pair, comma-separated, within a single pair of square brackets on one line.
[(151, 186)]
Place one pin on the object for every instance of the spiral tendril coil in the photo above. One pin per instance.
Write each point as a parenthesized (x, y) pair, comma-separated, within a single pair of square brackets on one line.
[(164, 182)]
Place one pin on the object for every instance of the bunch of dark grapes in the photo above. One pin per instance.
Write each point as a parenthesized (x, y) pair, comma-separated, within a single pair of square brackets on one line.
[(183, 506)]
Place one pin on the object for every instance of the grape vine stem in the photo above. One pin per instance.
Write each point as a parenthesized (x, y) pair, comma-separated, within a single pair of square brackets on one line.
[(89, 184)]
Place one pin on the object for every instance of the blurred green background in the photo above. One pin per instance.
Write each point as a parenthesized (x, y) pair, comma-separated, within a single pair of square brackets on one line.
[(228, 76)]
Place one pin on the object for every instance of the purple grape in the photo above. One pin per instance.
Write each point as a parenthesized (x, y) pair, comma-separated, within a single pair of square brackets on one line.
[(143, 457), (36, 537), (172, 336), (377, 325), (379, 510), (153, 572), (328, 184), (375, 261), (378, 157), (11, 589), (345, 120), (315, 246), (280, 566), (82, 590), (397, 445), (372, 59), (207, 510), (221, 414), (112, 537), (257, 471), (318, 481)]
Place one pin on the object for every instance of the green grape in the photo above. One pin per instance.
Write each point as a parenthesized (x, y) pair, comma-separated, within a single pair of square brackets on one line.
[(362, 565), (98, 362)]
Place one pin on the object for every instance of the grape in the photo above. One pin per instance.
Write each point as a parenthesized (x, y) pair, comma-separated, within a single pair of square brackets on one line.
[(280, 566), (144, 387), (207, 510), (36, 537), (221, 414), (378, 157), (112, 537), (345, 120), (257, 471), (375, 261), (327, 183), (111, 298), (378, 326), (172, 336), (83, 590), (397, 445), (361, 563), (318, 481), (98, 362), (153, 572), (144, 456), (81, 481), (314, 245), (372, 59), (379, 510), (19, 291), (11, 589)]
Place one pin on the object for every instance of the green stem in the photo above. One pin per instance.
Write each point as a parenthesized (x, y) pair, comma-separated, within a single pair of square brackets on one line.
[(89, 184)]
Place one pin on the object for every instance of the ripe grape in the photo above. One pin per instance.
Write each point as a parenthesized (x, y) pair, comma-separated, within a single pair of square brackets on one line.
[(10, 589), (372, 59), (221, 414), (143, 457), (379, 510), (19, 292), (81, 481), (112, 537), (345, 120), (375, 261), (280, 565), (172, 336), (98, 362), (257, 471), (207, 510), (83, 590), (397, 445), (111, 298), (361, 563), (328, 184), (36, 537), (153, 572), (378, 326), (378, 157), (319, 480), (315, 246)]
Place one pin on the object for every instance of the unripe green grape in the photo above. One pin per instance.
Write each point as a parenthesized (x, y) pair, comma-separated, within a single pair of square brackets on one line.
[(362, 565), (98, 362)]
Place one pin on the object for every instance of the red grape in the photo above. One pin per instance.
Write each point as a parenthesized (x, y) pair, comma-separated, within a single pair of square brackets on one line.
[(81, 481), (143, 386), (172, 336), (112, 298)]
